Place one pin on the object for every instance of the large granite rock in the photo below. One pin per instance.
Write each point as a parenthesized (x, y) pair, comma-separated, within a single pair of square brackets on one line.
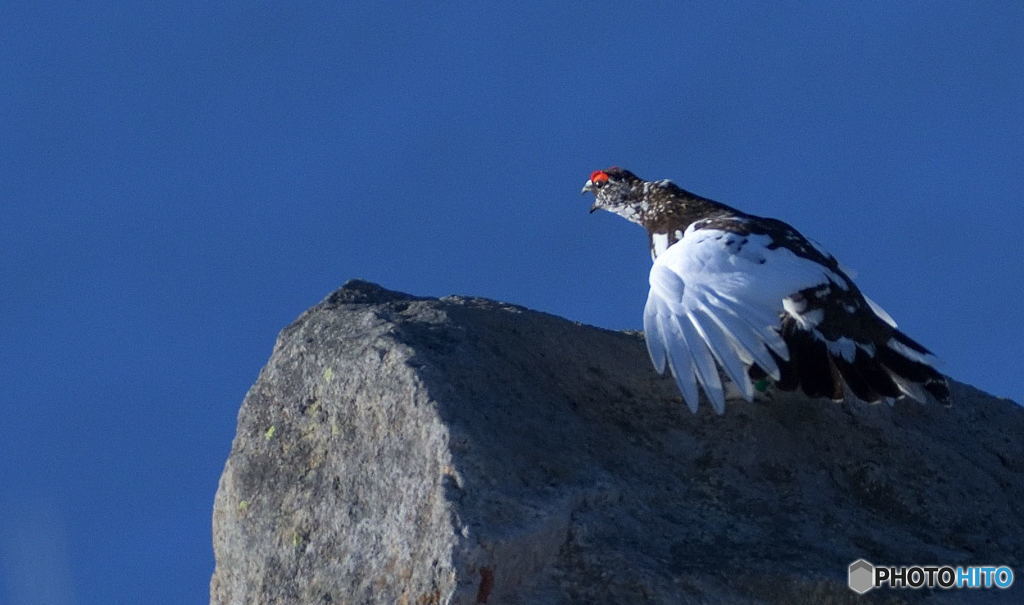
[(420, 451)]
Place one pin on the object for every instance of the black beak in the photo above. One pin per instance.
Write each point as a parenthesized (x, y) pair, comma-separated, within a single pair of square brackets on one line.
[(590, 188)]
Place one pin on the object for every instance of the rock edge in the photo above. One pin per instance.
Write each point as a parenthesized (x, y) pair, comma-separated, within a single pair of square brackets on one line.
[(398, 449)]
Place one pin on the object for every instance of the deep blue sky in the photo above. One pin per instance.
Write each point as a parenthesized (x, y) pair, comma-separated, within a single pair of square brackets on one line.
[(179, 183)]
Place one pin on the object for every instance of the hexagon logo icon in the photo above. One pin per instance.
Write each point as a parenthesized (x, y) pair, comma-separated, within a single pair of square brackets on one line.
[(860, 576)]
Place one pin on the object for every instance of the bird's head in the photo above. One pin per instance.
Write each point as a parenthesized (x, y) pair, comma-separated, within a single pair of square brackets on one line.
[(617, 190)]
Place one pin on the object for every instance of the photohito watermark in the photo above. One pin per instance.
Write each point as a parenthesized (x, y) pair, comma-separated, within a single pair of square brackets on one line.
[(862, 576)]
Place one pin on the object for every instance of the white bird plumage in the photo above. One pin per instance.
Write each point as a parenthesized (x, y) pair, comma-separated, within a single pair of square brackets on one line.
[(713, 298)]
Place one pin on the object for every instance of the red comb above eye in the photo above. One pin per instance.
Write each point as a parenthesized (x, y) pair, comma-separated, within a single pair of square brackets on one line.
[(598, 176)]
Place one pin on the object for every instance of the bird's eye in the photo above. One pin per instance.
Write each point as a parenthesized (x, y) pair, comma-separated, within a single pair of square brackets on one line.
[(599, 178)]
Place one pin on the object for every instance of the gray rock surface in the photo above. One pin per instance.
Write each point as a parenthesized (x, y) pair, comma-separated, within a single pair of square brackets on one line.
[(419, 451)]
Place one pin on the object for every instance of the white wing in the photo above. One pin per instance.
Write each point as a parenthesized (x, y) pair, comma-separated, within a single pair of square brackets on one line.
[(717, 296)]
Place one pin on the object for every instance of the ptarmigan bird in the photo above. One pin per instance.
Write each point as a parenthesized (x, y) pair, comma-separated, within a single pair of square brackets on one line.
[(758, 299)]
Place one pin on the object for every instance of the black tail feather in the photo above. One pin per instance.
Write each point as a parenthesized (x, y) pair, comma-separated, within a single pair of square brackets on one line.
[(910, 342), (818, 373), (914, 371), (939, 389), (875, 374), (809, 366), (813, 366), (859, 385), (925, 375)]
